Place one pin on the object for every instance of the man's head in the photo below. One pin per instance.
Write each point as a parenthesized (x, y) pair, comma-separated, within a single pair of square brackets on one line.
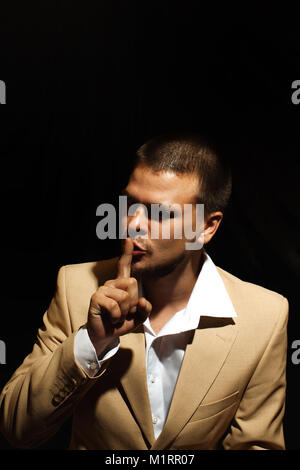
[(175, 170)]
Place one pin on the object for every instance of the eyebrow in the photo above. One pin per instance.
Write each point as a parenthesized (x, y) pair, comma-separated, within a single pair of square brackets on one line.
[(124, 192)]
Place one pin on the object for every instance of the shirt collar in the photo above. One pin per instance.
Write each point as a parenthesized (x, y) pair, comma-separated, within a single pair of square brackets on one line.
[(209, 297)]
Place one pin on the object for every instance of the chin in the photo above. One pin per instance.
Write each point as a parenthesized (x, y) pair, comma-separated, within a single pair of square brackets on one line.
[(160, 269), (138, 263)]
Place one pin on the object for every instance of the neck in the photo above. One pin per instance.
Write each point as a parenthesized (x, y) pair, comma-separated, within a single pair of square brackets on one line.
[(174, 289)]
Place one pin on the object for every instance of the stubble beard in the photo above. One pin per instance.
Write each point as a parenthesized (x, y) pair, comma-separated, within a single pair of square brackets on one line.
[(158, 270)]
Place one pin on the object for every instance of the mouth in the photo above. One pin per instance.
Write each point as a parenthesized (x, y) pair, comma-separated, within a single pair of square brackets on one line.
[(138, 250)]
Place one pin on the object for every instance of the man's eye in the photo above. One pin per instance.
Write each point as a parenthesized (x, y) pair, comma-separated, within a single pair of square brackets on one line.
[(162, 215)]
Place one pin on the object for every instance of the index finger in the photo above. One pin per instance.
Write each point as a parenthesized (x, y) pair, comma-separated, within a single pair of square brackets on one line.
[(124, 264)]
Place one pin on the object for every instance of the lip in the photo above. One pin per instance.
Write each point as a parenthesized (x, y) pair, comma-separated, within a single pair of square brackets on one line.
[(138, 248), (137, 253)]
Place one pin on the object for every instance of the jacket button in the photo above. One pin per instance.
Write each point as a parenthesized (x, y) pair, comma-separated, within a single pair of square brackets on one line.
[(56, 400)]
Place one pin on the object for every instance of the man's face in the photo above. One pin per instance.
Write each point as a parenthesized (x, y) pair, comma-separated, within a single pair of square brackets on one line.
[(145, 187)]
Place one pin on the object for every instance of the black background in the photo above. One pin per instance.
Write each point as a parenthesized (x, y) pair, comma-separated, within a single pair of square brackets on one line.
[(87, 83)]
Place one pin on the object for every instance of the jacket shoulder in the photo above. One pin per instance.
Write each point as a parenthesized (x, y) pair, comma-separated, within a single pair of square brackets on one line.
[(93, 270), (249, 287), (79, 282), (257, 301), (82, 279)]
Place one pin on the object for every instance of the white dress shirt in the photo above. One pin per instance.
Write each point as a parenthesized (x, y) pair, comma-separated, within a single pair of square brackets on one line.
[(165, 350)]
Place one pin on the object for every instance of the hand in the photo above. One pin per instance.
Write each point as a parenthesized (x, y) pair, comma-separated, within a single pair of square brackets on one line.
[(115, 308)]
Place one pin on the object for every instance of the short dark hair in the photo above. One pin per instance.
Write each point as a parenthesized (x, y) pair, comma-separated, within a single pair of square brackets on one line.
[(188, 152)]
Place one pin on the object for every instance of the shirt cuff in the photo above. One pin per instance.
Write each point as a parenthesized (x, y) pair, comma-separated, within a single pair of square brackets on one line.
[(85, 353)]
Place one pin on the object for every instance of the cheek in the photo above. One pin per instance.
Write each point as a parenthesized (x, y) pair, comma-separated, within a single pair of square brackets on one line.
[(167, 249), (168, 229), (178, 228)]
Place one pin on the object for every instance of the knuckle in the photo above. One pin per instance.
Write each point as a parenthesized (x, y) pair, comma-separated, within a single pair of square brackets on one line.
[(132, 281), (124, 295), (133, 303), (123, 307), (95, 297), (112, 305)]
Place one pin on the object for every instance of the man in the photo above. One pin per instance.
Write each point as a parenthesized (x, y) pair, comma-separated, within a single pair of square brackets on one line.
[(159, 349)]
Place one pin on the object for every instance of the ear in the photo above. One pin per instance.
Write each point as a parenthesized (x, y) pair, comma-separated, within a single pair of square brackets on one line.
[(211, 225)]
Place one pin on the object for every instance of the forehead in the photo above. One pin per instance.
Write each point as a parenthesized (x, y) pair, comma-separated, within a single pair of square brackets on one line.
[(148, 186)]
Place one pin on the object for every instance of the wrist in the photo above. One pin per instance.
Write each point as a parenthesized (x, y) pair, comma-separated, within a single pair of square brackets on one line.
[(100, 345)]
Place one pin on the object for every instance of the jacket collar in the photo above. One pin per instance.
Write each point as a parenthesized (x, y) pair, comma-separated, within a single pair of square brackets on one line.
[(209, 297)]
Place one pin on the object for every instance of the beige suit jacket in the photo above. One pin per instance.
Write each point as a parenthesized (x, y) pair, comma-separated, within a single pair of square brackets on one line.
[(230, 393)]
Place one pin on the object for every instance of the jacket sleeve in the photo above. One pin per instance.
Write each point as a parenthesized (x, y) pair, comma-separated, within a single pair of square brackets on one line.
[(44, 390), (258, 423)]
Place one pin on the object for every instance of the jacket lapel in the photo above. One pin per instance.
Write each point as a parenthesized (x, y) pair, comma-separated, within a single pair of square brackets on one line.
[(202, 361), (134, 381), (132, 361)]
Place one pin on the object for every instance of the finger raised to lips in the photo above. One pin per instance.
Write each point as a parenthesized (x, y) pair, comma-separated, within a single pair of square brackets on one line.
[(124, 264)]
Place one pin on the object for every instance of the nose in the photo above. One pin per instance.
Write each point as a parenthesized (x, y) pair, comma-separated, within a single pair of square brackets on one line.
[(137, 221)]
